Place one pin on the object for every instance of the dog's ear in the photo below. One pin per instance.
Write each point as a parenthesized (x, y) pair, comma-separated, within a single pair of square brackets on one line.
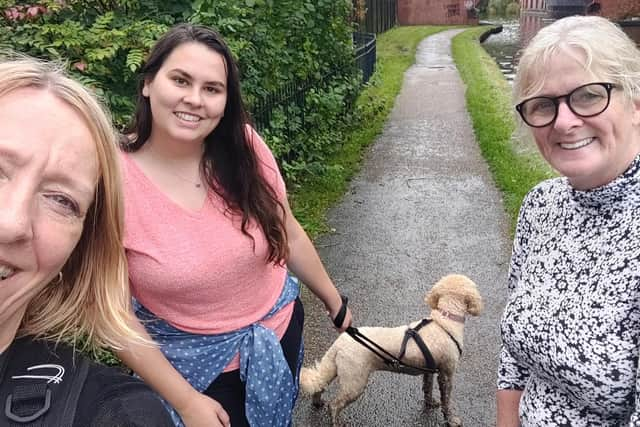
[(474, 304), (432, 297)]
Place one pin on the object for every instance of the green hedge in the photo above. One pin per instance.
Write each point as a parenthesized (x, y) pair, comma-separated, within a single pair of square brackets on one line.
[(276, 43)]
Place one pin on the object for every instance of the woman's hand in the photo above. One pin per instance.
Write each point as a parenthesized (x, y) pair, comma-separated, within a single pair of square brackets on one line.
[(335, 311), (203, 411), (346, 323)]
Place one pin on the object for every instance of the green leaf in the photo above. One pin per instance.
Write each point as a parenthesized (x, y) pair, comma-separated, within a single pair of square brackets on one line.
[(134, 59)]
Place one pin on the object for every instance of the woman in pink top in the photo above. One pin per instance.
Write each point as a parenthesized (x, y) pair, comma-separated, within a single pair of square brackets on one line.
[(210, 239)]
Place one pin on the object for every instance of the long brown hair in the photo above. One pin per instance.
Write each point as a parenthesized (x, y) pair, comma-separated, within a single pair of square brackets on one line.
[(229, 161)]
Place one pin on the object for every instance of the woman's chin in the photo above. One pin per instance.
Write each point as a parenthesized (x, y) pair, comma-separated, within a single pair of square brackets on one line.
[(576, 163)]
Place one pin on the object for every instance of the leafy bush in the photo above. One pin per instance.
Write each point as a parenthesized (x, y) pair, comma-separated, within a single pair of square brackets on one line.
[(282, 42), (513, 9), (276, 42), (103, 43), (503, 8)]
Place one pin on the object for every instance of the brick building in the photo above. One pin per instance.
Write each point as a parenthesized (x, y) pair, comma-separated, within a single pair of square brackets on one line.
[(617, 9), (437, 12), (612, 9), (532, 5)]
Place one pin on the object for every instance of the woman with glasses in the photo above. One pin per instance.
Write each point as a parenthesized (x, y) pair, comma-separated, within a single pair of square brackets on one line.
[(571, 327)]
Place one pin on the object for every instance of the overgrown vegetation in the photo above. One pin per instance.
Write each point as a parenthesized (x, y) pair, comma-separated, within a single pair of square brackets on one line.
[(276, 43), (502, 8), (514, 162)]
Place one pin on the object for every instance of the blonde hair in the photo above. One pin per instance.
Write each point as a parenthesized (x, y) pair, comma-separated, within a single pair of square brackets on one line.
[(92, 302), (597, 43)]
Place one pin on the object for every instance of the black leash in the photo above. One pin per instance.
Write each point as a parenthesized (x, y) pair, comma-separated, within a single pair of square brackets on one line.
[(389, 359)]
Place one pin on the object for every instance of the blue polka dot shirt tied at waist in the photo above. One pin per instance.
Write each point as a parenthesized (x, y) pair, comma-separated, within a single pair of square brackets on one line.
[(270, 387)]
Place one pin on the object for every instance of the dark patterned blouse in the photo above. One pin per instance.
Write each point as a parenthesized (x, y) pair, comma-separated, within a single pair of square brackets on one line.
[(571, 328)]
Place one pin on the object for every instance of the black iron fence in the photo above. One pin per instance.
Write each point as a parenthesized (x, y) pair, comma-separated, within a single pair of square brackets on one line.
[(365, 54), (292, 96), (381, 15)]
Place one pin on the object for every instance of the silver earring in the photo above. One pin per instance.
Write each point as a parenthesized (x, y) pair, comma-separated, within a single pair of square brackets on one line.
[(59, 277)]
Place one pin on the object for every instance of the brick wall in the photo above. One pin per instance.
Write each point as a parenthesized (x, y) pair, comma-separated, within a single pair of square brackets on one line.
[(434, 12), (618, 9)]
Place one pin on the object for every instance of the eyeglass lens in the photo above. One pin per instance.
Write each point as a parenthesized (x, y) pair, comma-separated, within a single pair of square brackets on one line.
[(585, 101)]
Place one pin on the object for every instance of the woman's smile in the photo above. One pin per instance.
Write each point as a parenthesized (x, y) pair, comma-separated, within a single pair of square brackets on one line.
[(575, 145), (188, 94), (187, 117)]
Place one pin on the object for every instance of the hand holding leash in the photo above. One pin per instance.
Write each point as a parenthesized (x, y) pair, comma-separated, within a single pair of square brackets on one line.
[(342, 320)]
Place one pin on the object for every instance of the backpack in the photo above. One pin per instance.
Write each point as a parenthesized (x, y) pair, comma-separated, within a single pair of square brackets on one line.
[(40, 384)]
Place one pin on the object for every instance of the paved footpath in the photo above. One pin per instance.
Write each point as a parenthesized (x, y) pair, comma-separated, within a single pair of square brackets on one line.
[(424, 205)]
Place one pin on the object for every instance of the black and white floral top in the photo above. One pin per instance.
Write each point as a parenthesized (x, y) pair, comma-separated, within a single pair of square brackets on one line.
[(571, 328)]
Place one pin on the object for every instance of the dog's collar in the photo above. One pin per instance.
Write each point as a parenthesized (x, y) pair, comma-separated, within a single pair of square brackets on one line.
[(451, 316)]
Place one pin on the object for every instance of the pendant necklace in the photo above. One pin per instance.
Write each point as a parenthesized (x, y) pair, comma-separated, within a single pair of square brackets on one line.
[(196, 184)]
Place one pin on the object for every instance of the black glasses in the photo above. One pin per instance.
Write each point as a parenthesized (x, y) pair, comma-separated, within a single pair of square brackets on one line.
[(585, 101)]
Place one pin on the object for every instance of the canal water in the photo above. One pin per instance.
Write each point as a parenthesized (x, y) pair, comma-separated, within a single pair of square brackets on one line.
[(505, 46)]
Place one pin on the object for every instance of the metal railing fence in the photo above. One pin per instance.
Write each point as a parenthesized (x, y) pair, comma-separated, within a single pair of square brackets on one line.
[(381, 15), (365, 54), (293, 95)]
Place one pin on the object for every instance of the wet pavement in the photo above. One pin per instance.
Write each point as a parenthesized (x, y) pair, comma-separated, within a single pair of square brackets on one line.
[(423, 206)]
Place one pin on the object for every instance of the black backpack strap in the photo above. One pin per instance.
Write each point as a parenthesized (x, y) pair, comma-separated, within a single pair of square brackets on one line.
[(74, 390), (40, 384), (27, 404)]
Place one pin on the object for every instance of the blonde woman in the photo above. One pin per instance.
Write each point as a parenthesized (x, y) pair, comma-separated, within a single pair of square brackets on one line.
[(571, 328), (63, 274)]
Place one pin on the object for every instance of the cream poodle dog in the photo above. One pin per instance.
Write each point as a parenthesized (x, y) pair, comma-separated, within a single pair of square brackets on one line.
[(450, 300)]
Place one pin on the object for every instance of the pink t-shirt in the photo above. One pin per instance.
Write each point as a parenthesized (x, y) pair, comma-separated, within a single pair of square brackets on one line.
[(197, 270)]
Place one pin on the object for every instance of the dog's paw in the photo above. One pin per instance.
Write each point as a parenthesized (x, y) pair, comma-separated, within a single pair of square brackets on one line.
[(454, 421), (431, 404)]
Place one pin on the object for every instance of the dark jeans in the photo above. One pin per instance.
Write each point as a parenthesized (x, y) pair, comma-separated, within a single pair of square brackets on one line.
[(229, 391)]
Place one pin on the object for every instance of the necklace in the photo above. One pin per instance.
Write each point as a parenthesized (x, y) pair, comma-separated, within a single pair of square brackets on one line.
[(197, 184)]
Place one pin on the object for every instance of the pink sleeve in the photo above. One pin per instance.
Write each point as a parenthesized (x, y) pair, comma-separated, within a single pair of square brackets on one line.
[(267, 163)]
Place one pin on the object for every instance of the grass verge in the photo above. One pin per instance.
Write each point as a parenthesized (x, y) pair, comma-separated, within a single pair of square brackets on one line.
[(516, 165), (396, 50)]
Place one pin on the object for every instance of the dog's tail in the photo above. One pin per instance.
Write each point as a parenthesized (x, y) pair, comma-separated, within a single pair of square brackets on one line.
[(315, 380)]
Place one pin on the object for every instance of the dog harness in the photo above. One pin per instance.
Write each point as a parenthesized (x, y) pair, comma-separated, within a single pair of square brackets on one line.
[(395, 363)]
